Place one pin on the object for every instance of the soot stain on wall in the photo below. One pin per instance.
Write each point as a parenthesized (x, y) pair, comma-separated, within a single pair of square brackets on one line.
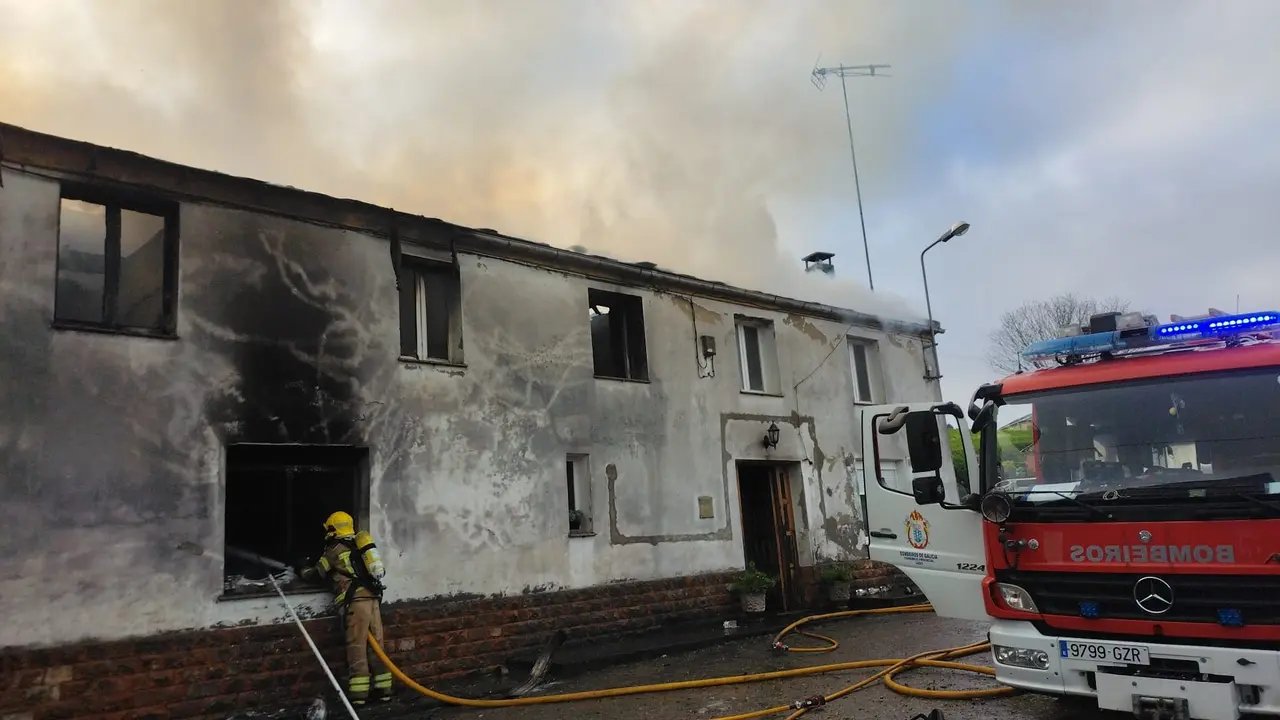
[(121, 451), (293, 337), (24, 487)]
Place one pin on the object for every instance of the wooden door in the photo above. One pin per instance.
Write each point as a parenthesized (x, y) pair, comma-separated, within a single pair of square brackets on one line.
[(784, 524)]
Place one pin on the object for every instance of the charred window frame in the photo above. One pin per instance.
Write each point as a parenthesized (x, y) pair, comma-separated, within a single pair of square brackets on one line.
[(617, 336), (276, 500), (430, 311), (117, 262)]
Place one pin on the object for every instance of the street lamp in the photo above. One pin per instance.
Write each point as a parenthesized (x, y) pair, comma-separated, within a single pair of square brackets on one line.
[(956, 231)]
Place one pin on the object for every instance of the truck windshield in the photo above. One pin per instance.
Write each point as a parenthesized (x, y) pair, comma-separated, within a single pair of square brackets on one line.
[(1205, 431)]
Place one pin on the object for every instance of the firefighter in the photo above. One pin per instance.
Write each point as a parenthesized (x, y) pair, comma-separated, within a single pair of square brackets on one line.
[(353, 566)]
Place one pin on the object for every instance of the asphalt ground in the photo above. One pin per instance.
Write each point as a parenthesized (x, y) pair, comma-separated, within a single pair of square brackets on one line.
[(870, 637)]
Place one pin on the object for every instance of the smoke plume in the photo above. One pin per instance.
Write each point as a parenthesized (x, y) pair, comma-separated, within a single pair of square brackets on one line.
[(642, 130)]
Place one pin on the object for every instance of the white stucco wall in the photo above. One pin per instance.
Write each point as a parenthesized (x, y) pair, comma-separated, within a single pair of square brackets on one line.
[(113, 446)]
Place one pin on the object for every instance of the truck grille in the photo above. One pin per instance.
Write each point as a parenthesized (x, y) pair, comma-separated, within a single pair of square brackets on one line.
[(1196, 598)]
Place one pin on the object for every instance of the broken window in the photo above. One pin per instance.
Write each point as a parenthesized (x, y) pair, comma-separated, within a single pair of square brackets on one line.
[(430, 311), (578, 481), (864, 363), (117, 263), (277, 499), (758, 356), (617, 336)]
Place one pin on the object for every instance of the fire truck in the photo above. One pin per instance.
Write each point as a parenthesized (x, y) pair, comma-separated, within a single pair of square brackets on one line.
[(1114, 516)]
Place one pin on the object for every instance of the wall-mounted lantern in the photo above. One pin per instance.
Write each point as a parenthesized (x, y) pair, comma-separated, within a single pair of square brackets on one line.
[(771, 436)]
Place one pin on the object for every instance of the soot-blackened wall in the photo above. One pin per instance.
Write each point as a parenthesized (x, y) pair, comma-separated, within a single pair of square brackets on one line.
[(112, 448)]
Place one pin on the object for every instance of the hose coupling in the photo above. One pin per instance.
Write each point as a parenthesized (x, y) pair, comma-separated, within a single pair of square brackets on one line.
[(779, 646), (809, 702)]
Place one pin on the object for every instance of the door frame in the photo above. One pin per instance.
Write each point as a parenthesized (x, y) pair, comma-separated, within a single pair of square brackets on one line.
[(785, 532)]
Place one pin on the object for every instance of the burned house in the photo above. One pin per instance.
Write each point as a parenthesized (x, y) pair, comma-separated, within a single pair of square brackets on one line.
[(200, 368)]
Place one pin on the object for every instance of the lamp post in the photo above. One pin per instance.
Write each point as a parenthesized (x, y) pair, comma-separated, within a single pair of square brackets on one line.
[(956, 230)]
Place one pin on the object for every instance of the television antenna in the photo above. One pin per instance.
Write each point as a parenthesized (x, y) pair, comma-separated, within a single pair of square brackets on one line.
[(819, 79)]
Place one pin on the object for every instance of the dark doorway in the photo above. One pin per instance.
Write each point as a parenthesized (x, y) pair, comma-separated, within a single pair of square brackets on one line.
[(278, 497), (768, 528)]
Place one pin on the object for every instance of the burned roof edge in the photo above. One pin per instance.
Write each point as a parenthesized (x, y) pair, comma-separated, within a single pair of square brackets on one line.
[(25, 149)]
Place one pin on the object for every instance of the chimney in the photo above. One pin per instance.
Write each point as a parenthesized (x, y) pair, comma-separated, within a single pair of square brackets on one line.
[(820, 261)]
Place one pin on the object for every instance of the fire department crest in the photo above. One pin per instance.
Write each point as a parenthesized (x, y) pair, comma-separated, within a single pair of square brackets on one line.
[(917, 530)]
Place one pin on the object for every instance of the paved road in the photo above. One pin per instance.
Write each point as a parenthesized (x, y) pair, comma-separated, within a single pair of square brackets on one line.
[(860, 638)]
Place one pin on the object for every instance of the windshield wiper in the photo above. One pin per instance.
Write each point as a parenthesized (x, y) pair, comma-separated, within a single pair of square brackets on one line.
[(1097, 511), (1273, 507), (1221, 488)]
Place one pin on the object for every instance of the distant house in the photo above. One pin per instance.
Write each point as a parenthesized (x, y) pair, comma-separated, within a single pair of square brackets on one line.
[(202, 367), (1021, 423)]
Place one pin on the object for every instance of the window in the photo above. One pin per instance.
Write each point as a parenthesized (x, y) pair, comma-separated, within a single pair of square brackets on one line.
[(578, 483), (617, 336), (888, 472), (898, 475), (1216, 431), (117, 263), (430, 311), (277, 499), (758, 356), (959, 464), (864, 363)]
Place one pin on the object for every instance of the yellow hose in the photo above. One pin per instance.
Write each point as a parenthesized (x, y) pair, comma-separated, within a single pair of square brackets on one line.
[(933, 658)]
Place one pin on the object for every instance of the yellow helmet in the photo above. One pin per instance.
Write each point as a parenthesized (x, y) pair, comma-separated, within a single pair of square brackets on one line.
[(339, 524)]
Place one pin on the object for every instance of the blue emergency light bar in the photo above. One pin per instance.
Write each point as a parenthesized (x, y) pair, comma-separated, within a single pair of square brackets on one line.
[(1216, 326), (1090, 344), (1210, 328)]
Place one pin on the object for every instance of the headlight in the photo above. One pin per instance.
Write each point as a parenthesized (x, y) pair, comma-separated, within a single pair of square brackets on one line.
[(996, 507), (1020, 657), (1015, 598)]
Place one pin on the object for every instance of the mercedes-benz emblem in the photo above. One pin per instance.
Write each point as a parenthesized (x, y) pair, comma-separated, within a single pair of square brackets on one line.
[(1144, 536), (1153, 595)]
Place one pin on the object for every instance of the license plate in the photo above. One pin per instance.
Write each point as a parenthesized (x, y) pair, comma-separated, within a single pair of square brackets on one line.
[(1104, 652)]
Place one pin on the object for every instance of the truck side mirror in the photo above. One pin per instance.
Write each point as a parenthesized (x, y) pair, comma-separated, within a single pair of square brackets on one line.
[(982, 417), (928, 490), (924, 442)]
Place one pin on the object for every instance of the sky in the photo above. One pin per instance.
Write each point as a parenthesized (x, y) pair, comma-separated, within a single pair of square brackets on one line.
[(1128, 148)]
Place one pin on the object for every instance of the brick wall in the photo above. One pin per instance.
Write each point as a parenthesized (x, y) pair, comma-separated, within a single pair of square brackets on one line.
[(210, 674), (871, 574), (867, 574)]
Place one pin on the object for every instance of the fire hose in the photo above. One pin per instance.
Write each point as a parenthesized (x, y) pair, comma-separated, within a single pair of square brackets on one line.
[(891, 668)]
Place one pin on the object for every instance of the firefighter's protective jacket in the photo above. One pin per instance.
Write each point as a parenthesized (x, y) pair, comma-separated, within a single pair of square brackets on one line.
[(338, 566)]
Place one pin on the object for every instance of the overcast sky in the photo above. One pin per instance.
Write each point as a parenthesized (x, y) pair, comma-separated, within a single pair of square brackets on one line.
[(1127, 148)]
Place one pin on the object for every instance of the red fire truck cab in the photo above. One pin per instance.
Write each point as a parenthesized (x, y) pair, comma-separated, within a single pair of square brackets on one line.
[(1116, 517)]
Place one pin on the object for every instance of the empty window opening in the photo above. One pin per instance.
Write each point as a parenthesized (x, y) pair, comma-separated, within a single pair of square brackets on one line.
[(430, 311), (758, 356), (617, 336), (578, 485), (116, 263), (277, 499), (864, 363)]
